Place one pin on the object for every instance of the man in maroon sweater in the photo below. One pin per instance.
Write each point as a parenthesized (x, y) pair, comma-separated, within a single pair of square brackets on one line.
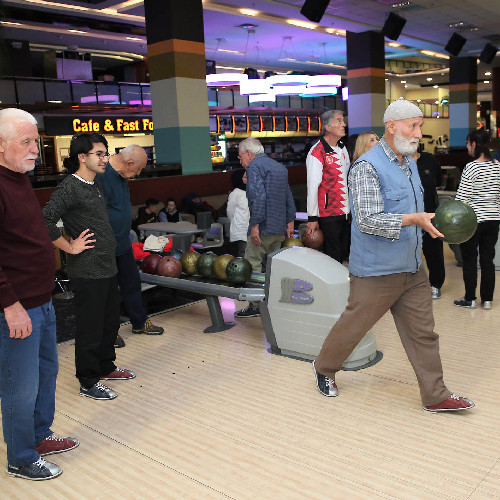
[(28, 348)]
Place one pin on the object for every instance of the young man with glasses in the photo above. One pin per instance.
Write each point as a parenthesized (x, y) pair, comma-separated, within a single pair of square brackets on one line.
[(91, 264)]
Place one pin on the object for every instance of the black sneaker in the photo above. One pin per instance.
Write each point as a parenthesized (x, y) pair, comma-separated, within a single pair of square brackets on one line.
[(119, 342), (98, 391), (149, 329), (326, 386), (37, 471), (248, 312), (471, 304)]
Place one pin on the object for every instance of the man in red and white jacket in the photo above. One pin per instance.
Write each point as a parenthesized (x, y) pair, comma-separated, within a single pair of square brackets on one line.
[(327, 197)]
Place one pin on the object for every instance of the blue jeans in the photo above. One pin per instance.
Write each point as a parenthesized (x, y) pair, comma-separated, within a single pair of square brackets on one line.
[(130, 289), (28, 372)]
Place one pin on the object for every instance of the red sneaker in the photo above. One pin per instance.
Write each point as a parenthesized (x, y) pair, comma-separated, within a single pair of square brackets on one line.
[(453, 403), (52, 444), (119, 374)]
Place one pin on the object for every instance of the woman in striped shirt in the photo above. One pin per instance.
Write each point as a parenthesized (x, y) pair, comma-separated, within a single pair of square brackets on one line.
[(480, 188)]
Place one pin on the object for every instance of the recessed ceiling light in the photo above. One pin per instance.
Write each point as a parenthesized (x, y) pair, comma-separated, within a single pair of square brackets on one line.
[(247, 26), (249, 12), (301, 24), (77, 31), (429, 79), (134, 38), (406, 86), (488, 73), (486, 81), (436, 86), (437, 102), (403, 81), (419, 100)]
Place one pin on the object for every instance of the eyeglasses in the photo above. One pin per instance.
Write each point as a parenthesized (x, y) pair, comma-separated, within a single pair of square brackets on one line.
[(100, 155)]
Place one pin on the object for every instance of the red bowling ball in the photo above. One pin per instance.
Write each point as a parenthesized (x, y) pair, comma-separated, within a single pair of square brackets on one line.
[(150, 263), (170, 267)]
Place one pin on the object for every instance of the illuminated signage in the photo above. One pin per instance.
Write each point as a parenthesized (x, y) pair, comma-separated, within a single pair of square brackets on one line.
[(102, 124)]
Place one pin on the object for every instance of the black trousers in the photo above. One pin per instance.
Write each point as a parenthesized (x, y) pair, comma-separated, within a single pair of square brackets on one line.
[(97, 305), (433, 253), (485, 238), (130, 289), (337, 234)]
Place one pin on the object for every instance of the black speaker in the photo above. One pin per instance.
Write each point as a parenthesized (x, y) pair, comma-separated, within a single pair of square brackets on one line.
[(393, 26), (488, 54), (455, 44), (314, 9)]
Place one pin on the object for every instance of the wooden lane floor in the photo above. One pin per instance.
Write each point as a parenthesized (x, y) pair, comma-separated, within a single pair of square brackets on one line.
[(217, 416)]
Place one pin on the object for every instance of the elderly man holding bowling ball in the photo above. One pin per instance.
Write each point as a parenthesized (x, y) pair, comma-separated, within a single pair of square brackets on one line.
[(385, 262), (28, 344), (272, 209)]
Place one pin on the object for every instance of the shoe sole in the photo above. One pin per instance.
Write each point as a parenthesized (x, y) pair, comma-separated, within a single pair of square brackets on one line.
[(116, 378), (97, 399), (248, 316), (147, 333), (13, 474), (472, 404), (465, 307), (59, 451), (317, 385)]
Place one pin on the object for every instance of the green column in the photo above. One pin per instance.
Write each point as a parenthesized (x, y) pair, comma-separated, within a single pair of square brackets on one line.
[(176, 55)]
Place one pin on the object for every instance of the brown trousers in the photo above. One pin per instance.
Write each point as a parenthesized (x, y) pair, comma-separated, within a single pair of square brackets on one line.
[(408, 297)]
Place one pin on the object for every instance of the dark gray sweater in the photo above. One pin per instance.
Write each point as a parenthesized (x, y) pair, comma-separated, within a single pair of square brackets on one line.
[(81, 206)]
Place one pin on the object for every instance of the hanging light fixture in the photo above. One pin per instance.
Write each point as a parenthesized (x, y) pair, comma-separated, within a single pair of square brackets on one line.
[(225, 79)]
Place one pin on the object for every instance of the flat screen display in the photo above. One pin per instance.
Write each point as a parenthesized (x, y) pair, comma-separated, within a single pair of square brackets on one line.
[(213, 124), (267, 123), (226, 124), (254, 123), (291, 123), (303, 124), (240, 124), (314, 121), (279, 124)]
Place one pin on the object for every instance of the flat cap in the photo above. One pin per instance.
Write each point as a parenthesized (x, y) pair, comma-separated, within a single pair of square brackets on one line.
[(401, 109)]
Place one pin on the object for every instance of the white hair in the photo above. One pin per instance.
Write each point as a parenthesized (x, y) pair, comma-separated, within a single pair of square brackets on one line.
[(9, 117), (252, 145)]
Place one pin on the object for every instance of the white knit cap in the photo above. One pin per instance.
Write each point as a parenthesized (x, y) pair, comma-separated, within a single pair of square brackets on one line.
[(401, 109)]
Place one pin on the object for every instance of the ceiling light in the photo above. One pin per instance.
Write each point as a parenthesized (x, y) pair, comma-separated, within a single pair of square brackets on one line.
[(434, 54), (429, 79), (54, 4), (225, 79), (345, 93), (325, 80), (231, 51), (419, 100), (435, 86), (254, 86), (249, 12), (301, 24), (400, 5), (133, 38), (10, 24), (436, 102), (403, 81), (334, 31), (247, 26), (406, 86), (486, 81), (287, 80), (319, 91), (77, 31), (262, 98), (394, 44), (55, 102), (488, 73)]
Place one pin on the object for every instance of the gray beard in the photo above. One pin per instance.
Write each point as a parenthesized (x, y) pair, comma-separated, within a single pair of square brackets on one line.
[(404, 146)]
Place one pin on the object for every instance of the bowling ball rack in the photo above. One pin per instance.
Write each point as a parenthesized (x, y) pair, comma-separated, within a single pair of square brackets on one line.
[(252, 291)]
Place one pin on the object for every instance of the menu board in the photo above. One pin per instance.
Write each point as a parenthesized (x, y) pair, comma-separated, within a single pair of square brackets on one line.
[(254, 123), (267, 124), (240, 124), (291, 123), (225, 124)]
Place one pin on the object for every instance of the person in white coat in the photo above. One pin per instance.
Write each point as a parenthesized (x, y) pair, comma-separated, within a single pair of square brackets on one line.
[(238, 213)]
